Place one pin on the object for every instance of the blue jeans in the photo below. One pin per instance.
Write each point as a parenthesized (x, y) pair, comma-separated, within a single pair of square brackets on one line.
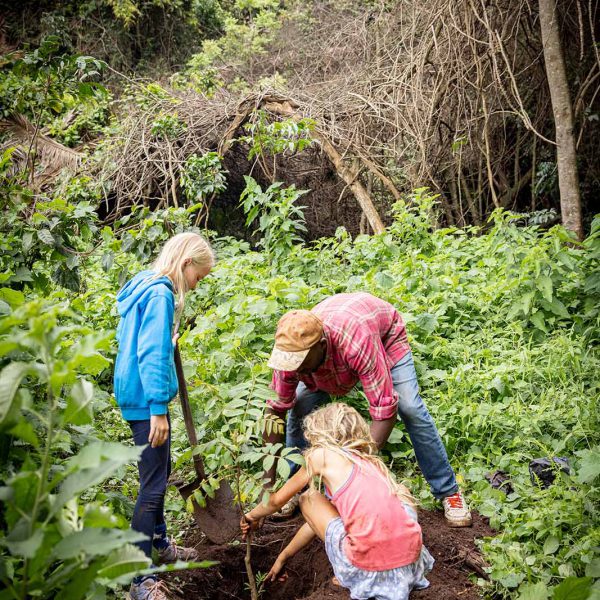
[(429, 449), (154, 468)]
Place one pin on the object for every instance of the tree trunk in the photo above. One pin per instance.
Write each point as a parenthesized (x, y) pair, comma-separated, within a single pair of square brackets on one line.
[(566, 159)]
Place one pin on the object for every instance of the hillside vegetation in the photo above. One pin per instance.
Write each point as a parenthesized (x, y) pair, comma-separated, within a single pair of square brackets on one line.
[(323, 148)]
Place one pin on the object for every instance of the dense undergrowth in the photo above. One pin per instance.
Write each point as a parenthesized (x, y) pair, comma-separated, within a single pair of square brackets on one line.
[(503, 321), (503, 324)]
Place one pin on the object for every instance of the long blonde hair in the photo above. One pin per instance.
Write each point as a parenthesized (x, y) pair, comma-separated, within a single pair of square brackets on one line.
[(340, 428), (171, 262)]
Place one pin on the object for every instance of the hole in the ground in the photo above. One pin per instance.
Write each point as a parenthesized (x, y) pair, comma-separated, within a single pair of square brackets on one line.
[(309, 572)]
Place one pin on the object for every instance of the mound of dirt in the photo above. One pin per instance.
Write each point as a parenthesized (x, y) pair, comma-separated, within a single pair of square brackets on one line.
[(309, 572)]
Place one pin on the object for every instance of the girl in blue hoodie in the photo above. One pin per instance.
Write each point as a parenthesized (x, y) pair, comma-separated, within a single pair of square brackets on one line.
[(150, 305)]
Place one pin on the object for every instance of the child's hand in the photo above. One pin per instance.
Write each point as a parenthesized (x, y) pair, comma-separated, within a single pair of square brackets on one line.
[(244, 526), (272, 575), (159, 430), (249, 523)]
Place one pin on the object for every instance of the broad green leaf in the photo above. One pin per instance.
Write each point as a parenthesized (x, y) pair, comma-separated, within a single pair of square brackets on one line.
[(537, 319), (589, 467), (296, 458), (93, 465), (283, 468), (384, 280), (108, 260), (511, 580), (46, 237), (80, 582), (26, 548), (592, 283), (24, 431), (123, 560), (556, 307), (7, 346), (268, 462), (551, 544), (93, 541), (10, 379), (96, 515), (92, 454), (533, 591), (592, 569), (178, 566), (427, 322), (7, 569), (12, 297), (79, 404), (544, 284), (573, 588), (27, 241), (566, 260), (397, 436)]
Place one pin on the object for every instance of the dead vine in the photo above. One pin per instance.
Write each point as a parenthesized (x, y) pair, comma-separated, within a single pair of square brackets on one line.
[(448, 94)]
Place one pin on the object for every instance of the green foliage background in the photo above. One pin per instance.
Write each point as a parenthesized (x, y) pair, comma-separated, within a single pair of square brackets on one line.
[(503, 322)]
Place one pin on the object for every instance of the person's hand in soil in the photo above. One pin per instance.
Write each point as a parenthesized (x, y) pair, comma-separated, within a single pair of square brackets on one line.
[(278, 565)]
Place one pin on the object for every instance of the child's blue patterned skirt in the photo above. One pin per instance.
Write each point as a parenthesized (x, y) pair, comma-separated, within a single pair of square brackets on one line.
[(393, 584)]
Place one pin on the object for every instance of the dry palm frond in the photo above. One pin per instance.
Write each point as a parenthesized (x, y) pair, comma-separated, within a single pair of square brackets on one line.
[(50, 153)]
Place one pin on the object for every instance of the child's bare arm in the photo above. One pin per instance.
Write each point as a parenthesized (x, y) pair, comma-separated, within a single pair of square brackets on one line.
[(303, 536), (276, 500)]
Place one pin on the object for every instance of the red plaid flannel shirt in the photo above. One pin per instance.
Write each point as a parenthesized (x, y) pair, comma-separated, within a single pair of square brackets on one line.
[(365, 338)]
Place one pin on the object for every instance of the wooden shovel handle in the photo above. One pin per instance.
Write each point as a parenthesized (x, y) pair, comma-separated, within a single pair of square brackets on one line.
[(187, 413)]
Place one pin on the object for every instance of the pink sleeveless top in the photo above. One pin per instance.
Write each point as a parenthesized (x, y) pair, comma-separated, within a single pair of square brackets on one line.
[(380, 533)]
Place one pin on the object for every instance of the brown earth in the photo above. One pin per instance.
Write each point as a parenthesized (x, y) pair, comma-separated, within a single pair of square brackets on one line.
[(309, 572)]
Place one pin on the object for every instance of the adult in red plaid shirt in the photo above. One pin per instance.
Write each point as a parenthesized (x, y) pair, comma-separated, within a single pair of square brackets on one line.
[(343, 340)]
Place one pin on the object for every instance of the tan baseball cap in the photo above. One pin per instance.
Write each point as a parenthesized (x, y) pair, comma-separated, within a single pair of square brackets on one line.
[(297, 332)]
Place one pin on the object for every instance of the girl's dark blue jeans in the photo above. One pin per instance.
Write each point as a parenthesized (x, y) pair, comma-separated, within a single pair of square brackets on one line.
[(154, 467)]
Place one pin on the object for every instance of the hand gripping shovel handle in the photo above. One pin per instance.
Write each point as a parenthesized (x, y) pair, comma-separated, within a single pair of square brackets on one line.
[(187, 414)]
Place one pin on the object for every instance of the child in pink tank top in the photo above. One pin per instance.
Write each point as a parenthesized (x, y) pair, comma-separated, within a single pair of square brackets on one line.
[(367, 521)]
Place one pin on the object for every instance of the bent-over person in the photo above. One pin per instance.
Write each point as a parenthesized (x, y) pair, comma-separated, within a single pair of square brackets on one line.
[(326, 351)]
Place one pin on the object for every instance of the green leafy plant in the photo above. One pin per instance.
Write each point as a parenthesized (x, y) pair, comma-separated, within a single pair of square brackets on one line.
[(202, 177), (167, 127), (279, 219), (44, 240), (287, 136), (45, 81), (54, 544)]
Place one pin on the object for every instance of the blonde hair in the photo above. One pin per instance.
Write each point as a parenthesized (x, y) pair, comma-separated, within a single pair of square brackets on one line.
[(170, 262), (340, 428)]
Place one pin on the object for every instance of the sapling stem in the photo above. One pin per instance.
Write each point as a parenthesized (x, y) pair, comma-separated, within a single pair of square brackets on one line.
[(248, 556), (249, 571)]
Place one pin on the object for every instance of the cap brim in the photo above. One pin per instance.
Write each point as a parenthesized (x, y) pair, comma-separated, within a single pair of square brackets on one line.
[(281, 360)]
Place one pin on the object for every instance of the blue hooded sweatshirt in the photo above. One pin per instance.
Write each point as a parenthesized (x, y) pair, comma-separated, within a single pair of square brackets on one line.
[(145, 377)]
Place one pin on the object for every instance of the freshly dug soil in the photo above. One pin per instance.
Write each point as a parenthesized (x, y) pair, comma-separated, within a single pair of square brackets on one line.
[(309, 572)]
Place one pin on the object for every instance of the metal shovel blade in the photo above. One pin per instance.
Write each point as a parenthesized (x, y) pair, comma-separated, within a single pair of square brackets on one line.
[(218, 520)]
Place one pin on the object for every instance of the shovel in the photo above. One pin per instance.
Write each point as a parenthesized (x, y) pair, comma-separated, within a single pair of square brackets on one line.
[(218, 520)]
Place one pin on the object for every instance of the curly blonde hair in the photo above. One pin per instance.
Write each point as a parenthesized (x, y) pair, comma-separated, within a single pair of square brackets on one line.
[(340, 428)]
